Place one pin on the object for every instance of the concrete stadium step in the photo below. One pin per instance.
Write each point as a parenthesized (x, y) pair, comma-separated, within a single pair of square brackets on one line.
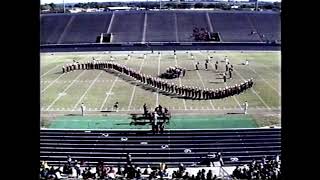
[(181, 141), (104, 146), (91, 146), (153, 154), (144, 159), (160, 135), (171, 132), (174, 150)]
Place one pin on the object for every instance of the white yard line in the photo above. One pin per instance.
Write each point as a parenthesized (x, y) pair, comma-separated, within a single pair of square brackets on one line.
[(64, 90), (265, 80), (108, 94), (49, 71), (184, 101), (225, 84), (134, 88), (277, 73), (202, 84), (52, 82), (110, 90), (74, 107), (264, 103)]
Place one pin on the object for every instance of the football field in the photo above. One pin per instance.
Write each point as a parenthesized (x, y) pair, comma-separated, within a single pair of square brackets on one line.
[(99, 89)]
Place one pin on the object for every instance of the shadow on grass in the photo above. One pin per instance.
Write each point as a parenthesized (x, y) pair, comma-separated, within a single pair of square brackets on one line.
[(73, 115), (215, 82), (118, 124), (236, 113), (107, 111)]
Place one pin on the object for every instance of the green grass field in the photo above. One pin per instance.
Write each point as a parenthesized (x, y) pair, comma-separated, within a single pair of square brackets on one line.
[(99, 90), (176, 122)]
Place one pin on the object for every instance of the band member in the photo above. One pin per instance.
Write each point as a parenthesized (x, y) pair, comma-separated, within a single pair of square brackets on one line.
[(197, 68), (216, 65)]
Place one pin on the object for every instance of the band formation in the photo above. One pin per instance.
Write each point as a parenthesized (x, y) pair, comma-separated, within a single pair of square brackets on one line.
[(163, 85)]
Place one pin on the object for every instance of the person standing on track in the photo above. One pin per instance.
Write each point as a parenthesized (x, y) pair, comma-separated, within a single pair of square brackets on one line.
[(115, 106), (245, 107), (83, 108)]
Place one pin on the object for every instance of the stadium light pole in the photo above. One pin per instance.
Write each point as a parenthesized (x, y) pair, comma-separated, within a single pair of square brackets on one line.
[(64, 7), (257, 6)]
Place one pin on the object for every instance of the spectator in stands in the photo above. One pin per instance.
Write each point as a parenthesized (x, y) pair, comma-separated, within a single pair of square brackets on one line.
[(69, 160), (44, 173), (214, 177), (219, 158), (209, 175), (148, 170), (138, 174), (67, 169), (129, 159), (120, 170), (182, 168), (186, 176), (101, 169), (110, 173), (175, 174), (162, 166), (77, 168), (198, 177), (203, 174)]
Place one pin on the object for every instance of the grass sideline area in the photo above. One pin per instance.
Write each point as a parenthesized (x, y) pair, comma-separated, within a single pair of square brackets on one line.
[(176, 122)]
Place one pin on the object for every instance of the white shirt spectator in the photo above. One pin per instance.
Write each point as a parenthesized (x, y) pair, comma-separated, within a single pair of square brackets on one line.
[(149, 170), (156, 118), (58, 175)]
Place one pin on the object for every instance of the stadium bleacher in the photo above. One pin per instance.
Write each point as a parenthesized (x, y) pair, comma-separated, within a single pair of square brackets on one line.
[(52, 27), (160, 27), (128, 26), (268, 25), (92, 146), (234, 27), (189, 20), (86, 28)]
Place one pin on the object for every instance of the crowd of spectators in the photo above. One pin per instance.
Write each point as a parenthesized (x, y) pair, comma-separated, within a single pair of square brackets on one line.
[(201, 34), (266, 169)]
